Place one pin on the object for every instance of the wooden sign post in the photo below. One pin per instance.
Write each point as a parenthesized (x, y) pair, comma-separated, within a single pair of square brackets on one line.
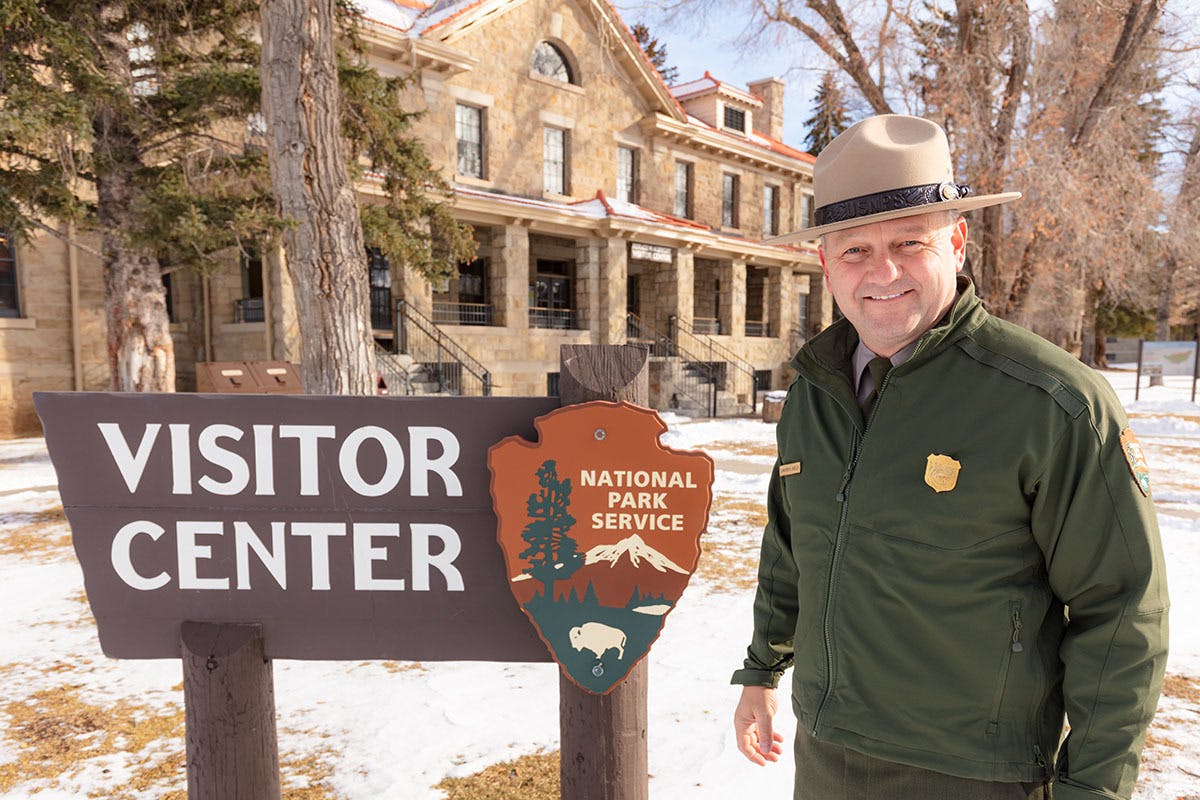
[(603, 737)]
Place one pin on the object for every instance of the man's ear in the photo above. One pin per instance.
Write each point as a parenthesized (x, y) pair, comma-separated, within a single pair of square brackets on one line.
[(824, 266), (958, 240)]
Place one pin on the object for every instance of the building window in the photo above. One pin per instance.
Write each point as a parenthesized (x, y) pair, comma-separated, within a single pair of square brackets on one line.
[(9, 307), (552, 295), (468, 130), (379, 278), (552, 384), (730, 190), (550, 62), (802, 317), (465, 302), (554, 160), (250, 307), (627, 169), (169, 296), (806, 210), (684, 180), (735, 119), (770, 210)]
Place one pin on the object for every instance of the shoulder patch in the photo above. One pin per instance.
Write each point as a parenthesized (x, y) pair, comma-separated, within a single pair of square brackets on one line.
[(1136, 460)]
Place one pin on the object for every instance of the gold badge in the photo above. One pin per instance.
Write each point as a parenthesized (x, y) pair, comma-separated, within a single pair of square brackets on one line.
[(941, 472), (1136, 459), (789, 469)]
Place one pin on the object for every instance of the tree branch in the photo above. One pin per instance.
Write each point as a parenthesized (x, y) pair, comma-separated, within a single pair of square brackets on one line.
[(1133, 35)]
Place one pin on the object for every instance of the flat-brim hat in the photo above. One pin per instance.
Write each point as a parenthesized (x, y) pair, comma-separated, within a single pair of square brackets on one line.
[(883, 168)]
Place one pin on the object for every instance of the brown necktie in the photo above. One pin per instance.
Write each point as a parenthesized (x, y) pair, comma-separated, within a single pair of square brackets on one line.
[(879, 367)]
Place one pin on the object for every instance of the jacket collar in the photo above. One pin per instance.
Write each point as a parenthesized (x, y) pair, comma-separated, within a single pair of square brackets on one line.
[(825, 359)]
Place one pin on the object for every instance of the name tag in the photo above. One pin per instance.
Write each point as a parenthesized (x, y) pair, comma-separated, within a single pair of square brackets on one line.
[(789, 469)]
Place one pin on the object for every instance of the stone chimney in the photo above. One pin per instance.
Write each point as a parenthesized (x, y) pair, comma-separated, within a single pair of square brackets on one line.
[(768, 120)]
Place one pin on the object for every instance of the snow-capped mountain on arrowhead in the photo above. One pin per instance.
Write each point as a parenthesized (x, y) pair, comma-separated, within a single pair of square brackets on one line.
[(637, 551)]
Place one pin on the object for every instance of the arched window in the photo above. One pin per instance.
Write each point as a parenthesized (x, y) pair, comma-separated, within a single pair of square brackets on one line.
[(551, 62)]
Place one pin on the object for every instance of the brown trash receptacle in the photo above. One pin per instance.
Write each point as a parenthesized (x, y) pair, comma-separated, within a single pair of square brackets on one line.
[(248, 377), (772, 407), (277, 377)]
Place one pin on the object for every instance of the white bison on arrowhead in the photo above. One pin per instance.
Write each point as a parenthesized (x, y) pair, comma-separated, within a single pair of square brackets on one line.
[(597, 638)]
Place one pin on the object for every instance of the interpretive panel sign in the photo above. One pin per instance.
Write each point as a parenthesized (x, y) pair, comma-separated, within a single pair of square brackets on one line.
[(348, 527)]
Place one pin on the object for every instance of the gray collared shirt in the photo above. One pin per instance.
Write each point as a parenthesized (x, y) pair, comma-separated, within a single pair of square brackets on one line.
[(863, 382)]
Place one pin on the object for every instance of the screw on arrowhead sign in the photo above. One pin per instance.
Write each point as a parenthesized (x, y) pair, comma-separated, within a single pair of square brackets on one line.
[(600, 528)]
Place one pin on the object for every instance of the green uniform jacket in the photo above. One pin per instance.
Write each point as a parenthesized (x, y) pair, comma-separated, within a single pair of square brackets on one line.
[(951, 630)]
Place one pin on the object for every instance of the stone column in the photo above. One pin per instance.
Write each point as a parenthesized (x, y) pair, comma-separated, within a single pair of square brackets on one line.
[(733, 298), (781, 309), (820, 304), (589, 288), (614, 286), (510, 276), (675, 287)]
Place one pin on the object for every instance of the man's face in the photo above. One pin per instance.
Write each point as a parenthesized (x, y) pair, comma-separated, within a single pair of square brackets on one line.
[(894, 280)]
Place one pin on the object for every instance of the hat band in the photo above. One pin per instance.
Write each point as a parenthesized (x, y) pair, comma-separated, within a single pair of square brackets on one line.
[(893, 200)]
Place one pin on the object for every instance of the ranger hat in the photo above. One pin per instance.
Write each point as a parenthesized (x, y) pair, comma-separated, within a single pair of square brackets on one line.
[(882, 168)]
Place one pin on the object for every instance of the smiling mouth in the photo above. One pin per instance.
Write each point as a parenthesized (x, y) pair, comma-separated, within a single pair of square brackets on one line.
[(888, 296)]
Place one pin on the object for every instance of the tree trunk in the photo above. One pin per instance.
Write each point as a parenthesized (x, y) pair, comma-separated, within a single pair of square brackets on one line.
[(325, 252), (141, 353), (1166, 297)]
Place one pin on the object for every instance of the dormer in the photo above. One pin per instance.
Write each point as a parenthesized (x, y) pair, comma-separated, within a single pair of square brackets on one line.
[(718, 104)]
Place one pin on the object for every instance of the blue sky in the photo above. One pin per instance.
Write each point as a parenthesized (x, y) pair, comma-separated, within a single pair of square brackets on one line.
[(711, 43)]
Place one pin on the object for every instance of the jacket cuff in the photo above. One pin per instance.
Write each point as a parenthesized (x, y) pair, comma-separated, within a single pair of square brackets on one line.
[(1066, 791), (758, 677)]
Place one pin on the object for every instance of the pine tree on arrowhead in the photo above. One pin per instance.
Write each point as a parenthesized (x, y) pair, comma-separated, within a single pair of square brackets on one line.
[(830, 115), (552, 554)]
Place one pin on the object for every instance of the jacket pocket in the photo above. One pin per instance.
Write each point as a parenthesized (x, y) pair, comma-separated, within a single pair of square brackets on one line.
[(1012, 648)]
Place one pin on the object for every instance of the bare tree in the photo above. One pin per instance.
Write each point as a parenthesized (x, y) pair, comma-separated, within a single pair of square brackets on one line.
[(324, 245)]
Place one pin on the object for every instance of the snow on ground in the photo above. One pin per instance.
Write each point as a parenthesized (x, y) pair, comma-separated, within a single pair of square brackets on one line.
[(75, 724)]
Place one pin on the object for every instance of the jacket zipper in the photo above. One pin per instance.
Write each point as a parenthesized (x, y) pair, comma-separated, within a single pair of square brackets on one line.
[(838, 542), (1015, 646)]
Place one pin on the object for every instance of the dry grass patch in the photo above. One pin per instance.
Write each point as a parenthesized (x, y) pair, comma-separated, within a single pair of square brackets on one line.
[(37, 534), (533, 777), (729, 552), (54, 731), (1182, 687), (744, 449)]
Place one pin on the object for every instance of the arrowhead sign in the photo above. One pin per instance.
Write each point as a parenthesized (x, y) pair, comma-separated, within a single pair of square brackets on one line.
[(600, 528)]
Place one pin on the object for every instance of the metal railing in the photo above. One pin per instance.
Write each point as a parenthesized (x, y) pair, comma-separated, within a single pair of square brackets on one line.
[(698, 381), (755, 327), (738, 377), (249, 309), (462, 313), (566, 319), (441, 359), (393, 379)]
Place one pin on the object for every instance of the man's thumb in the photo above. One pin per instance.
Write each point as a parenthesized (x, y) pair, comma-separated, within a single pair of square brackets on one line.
[(766, 738)]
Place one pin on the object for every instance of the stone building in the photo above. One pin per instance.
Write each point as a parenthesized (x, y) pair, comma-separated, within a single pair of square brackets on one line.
[(607, 208)]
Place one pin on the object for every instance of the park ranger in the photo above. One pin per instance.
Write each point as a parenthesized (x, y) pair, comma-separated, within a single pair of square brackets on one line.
[(961, 549)]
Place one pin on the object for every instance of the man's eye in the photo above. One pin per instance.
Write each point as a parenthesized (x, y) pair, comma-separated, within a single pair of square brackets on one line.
[(852, 251)]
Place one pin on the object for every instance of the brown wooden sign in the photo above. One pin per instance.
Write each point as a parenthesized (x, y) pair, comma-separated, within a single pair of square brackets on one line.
[(348, 527), (600, 527)]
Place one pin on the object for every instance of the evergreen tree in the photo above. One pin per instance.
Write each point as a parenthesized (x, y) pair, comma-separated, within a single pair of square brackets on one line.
[(656, 51), (552, 554), (830, 115), (118, 119), (139, 122)]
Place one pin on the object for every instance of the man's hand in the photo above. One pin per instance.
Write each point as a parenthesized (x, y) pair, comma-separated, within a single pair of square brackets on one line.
[(756, 736)]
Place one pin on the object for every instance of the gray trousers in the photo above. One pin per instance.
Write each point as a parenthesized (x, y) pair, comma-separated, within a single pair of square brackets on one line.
[(831, 772)]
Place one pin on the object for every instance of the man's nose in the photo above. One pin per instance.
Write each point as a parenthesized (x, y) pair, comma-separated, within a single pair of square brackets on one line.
[(883, 269)]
